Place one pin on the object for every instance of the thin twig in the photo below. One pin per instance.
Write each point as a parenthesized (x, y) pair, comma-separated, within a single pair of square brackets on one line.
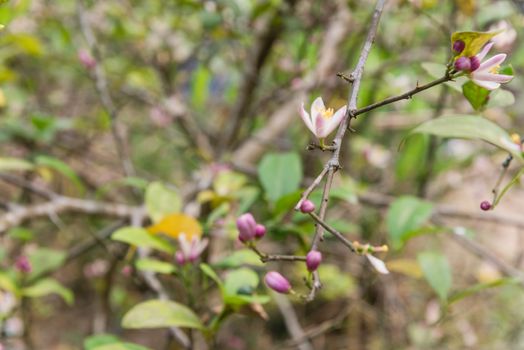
[(334, 232)]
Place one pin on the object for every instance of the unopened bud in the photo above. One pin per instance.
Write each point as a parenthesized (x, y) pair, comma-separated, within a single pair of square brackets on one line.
[(485, 205), (260, 231), (463, 64), (86, 59), (277, 282), (180, 258), (459, 46), (475, 63), (307, 206), (23, 264), (246, 225), (313, 260)]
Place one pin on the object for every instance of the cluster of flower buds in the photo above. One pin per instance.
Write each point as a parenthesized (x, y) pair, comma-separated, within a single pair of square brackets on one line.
[(249, 229), (23, 264), (190, 251), (484, 74)]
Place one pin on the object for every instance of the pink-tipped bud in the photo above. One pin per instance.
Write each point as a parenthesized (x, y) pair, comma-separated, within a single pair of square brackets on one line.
[(260, 231), (86, 59), (463, 64), (127, 271), (485, 205), (313, 260), (459, 46), (307, 206), (23, 264), (246, 225), (180, 258), (277, 282), (475, 63)]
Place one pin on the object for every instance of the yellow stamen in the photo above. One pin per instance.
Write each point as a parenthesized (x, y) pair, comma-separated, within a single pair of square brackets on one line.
[(495, 69), (327, 113), (515, 138)]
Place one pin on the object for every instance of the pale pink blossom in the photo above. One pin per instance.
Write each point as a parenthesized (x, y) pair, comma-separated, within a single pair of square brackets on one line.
[(322, 121), (190, 251), (378, 264), (486, 75)]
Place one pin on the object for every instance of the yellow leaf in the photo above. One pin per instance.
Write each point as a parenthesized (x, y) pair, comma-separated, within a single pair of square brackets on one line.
[(3, 100), (407, 267), (474, 41), (173, 225)]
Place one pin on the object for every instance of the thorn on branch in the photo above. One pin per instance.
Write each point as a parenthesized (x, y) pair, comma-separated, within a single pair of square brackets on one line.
[(348, 78)]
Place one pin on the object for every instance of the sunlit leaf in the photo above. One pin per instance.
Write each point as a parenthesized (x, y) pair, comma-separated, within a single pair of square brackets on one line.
[(148, 264), (161, 200), (7, 164), (280, 174), (174, 224), (477, 96), (160, 314), (48, 286), (474, 41), (140, 237), (469, 127), (437, 272)]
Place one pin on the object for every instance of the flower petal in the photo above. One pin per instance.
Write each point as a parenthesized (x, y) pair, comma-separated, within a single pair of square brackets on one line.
[(333, 122), (484, 51), (306, 118), (497, 78), (316, 107), (490, 85), (378, 264), (185, 246), (492, 62), (319, 127)]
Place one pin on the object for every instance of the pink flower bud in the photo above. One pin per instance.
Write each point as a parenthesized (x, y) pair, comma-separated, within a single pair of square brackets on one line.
[(459, 46), (307, 206), (485, 205), (23, 264), (463, 64), (180, 258), (313, 260), (246, 225), (260, 231), (127, 271), (86, 59), (475, 63), (277, 282)]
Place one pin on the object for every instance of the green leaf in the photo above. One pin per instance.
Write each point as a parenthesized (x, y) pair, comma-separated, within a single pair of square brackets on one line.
[(109, 342), (280, 174), (161, 201), (154, 265), (240, 280), (477, 96), (209, 272), (159, 314), (501, 98), (139, 237), (469, 127), (44, 259), (8, 164), (459, 295), (20, 233), (60, 167), (239, 258), (48, 286), (200, 87), (335, 283), (436, 270), (406, 215), (8, 283)]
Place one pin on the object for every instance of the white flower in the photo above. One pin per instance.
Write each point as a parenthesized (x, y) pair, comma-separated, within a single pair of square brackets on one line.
[(321, 121), (378, 264), (486, 74), (190, 250)]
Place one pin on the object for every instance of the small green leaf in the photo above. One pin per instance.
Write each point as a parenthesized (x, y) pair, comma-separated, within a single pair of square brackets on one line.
[(239, 258), (437, 272), (8, 164), (336, 283), (459, 295), (44, 259), (161, 201), (469, 127), (406, 215), (60, 167), (477, 96), (48, 286), (160, 314), (139, 237), (240, 278), (154, 265), (209, 272), (8, 283), (109, 342), (280, 174)]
